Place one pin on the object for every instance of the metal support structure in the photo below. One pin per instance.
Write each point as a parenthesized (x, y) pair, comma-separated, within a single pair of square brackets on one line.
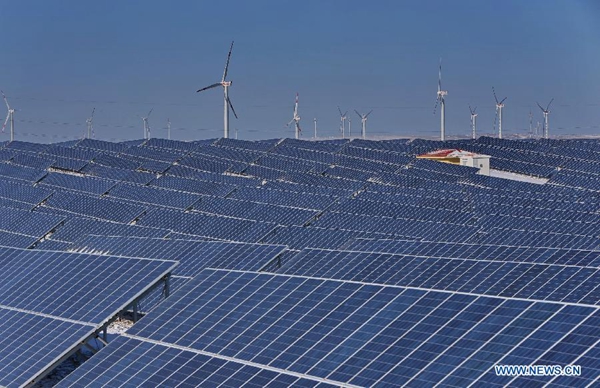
[(226, 109), (500, 106), (443, 119)]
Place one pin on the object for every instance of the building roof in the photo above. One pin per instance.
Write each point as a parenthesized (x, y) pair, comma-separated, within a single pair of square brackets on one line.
[(449, 153)]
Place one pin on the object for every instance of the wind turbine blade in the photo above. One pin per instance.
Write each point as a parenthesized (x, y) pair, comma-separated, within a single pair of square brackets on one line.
[(548, 107), (291, 121), (474, 110), (440, 77), (296, 106), (231, 106), (227, 63), (359, 115), (367, 115), (148, 115), (538, 104), (504, 99), (93, 110), (298, 125), (209, 87), (495, 98), (471, 110), (5, 100), (345, 113), (339, 110), (5, 121), (437, 100)]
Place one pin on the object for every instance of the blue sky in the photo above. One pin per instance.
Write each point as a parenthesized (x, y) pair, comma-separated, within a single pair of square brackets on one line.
[(60, 59)]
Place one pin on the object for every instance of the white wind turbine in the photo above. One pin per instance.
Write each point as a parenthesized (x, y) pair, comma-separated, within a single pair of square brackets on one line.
[(363, 119), (168, 128), (296, 119), (473, 122), (315, 121), (499, 106), (9, 116), (90, 125), (227, 101), (441, 99), (146, 125), (343, 118), (545, 112)]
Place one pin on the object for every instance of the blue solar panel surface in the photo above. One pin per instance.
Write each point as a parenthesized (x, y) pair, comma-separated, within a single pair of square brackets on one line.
[(52, 301), (361, 334)]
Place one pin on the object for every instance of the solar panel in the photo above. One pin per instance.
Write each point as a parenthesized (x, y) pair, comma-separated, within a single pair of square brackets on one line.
[(349, 333), (211, 226), (95, 207), (193, 256), (486, 277), (92, 185), (51, 302), (153, 195), (28, 223), (76, 227), (16, 240), (176, 367), (297, 237), (23, 192), (194, 186), (23, 173), (563, 256)]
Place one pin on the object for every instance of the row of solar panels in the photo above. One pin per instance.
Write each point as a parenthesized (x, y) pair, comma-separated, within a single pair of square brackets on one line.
[(350, 317)]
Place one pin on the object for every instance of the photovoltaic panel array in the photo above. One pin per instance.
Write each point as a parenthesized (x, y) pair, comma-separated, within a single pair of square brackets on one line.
[(349, 333), (551, 282), (193, 256), (578, 257), (50, 302)]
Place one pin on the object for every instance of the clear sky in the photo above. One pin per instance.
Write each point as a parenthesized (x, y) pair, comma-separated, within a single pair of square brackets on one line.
[(60, 59)]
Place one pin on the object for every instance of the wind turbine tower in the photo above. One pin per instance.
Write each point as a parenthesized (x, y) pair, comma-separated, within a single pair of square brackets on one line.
[(168, 128), (226, 101), (349, 127), (90, 125), (315, 121), (9, 116), (343, 118), (441, 99), (473, 122), (146, 125), (363, 119), (499, 106), (296, 119), (545, 112)]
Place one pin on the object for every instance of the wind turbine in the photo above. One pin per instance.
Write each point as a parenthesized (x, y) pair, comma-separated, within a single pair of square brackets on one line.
[(168, 128), (226, 100), (499, 106), (296, 119), (441, 98), (343, 122), (545, 112), (90, 125), (363, 118), (473, 122), (9, 116), (146, 125), (315, 121)]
